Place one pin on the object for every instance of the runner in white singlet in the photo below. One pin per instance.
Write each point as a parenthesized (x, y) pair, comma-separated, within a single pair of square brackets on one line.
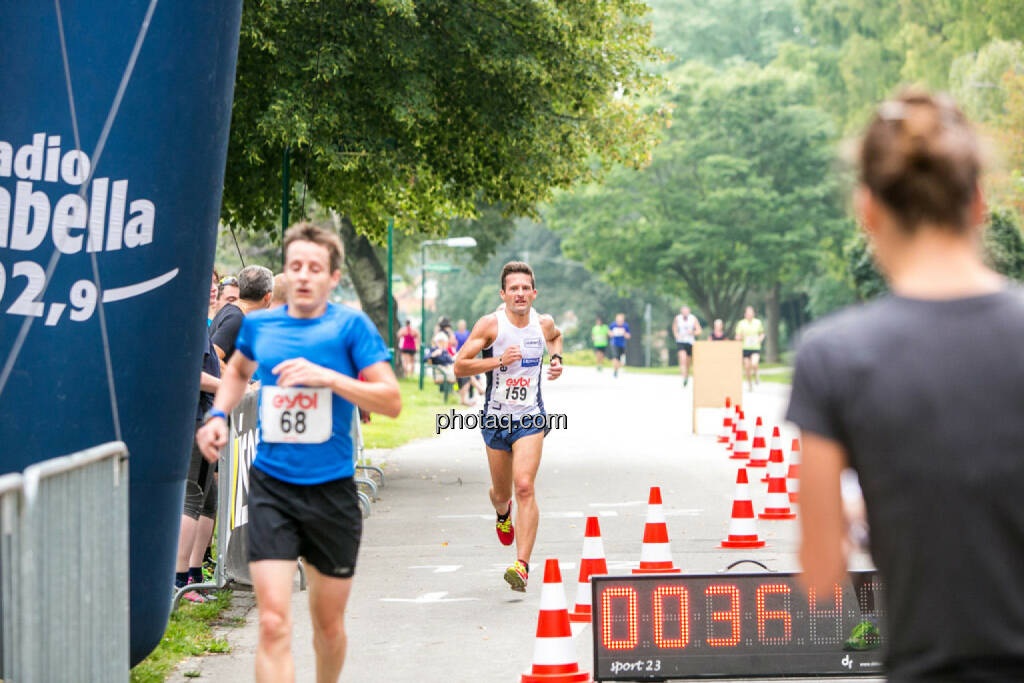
[(686, 329), (512, 344)]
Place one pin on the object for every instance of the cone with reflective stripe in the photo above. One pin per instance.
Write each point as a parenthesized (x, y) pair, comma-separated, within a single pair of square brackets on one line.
[(777, 505), (759, 449), (743, 526), (732, 432), (741, 450), (723, 436), (793, 476), (592, 563), (776, 446), (655, 553), (554, 653)]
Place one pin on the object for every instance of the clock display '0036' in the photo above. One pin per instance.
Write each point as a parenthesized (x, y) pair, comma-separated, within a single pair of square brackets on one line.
[(659, 627)]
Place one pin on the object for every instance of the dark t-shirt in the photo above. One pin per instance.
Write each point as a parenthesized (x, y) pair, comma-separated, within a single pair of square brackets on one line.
[(927, 398), (211, 365), (224, 328)]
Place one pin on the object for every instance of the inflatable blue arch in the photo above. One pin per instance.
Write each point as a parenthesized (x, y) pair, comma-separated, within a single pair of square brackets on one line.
[(113, 138)]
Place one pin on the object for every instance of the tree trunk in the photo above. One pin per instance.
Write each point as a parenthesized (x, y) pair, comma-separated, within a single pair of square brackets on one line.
[(771, 340), (369, 278)]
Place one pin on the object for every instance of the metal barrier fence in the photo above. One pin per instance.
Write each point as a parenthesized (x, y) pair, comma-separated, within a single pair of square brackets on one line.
[(64, 568)]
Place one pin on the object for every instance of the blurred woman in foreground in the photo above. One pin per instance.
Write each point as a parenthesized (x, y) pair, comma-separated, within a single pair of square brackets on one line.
[(922, 393)]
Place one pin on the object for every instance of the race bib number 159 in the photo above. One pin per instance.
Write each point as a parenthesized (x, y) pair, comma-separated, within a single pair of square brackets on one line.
[(295, 414)]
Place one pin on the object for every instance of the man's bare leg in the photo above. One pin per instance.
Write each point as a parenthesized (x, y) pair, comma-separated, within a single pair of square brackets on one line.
[(683, 370), (203, 535), (500, 463), (186, 539), (526, 454), (272, 583), (328, 597)]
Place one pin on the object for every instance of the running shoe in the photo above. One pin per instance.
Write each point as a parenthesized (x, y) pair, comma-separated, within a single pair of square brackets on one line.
[(516, 576), (506, 532), (194, 596)]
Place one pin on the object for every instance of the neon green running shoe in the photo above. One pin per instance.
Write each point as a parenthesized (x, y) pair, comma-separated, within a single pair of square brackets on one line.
[(516, 576)]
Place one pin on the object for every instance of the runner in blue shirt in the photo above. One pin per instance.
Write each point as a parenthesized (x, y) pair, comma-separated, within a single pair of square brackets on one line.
[(302, 497), (619, 331)]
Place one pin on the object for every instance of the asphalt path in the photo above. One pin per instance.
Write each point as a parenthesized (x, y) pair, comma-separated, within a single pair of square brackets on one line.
[(429, 603)]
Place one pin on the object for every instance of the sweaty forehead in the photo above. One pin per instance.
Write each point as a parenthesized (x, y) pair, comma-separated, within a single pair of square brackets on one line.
[(518, 280), (303, 250)]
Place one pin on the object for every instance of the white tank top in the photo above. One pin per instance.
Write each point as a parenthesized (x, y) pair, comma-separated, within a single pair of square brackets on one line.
[(515, 390), (685, 328)]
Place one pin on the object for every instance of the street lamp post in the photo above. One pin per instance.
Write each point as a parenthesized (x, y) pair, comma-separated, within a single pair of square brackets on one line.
[(452, 243)]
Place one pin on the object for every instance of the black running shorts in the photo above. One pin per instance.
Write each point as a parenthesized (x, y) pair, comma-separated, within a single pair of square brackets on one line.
[(617, 352), (685, 346), (319, 522)]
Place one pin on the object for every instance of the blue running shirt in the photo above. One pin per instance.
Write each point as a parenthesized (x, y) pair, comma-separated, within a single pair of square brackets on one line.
[(342, 339)]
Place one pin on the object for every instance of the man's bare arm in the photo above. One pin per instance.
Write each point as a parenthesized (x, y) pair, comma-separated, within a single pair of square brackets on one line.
[(233, 382), (552, 335), (482, 336), (208, 383)]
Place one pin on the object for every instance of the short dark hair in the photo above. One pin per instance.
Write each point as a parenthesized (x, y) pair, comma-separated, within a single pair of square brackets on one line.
[(517, 267), (255, 282), (307, 232)]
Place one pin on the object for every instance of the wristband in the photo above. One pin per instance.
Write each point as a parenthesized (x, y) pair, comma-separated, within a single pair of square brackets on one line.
[(558, 356), (212, 413)]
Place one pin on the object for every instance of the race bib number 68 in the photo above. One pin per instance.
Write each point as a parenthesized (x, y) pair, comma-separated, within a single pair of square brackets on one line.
[(295, 414)]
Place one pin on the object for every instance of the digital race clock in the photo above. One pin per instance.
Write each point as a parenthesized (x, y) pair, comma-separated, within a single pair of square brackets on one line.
[(661, 627)]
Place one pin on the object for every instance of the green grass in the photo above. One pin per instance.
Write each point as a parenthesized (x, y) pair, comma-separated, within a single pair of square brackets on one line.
[(417, 418), (189, 633)]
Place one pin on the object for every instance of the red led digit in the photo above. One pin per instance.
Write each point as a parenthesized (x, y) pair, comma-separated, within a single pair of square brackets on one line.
[(782, 615), (633, 636), (833, 632), (659, 616), (730, 615)]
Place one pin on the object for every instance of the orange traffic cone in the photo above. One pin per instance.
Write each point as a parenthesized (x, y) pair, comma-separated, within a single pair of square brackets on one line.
[(741, 450), (554, 653), (723, 436), (758, 451), (793, 476), (655, 553), (732, 433), (742, 526), (776, 446), (777, 505), (592, 563)]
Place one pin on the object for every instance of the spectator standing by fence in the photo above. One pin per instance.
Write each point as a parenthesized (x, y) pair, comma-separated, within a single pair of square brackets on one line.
[(255, 286)]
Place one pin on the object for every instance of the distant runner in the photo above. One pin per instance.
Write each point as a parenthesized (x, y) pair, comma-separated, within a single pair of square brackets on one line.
[(619, 331), (751, 332), (686, 328), (512, 342), (302, 496), (599, 336)]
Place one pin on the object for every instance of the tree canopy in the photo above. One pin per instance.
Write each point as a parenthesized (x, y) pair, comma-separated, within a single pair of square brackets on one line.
[(421, 110)]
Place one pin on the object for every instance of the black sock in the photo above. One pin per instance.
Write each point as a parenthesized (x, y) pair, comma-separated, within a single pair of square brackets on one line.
[(180, 579), (195, 574), (502, 518)]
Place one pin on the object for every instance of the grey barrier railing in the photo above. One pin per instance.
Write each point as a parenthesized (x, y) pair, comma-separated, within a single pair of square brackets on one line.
[(64, 569)]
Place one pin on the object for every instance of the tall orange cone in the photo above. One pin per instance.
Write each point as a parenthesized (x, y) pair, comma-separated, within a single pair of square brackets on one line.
[(742, 526), (554, 653), (732, 433), (776, 446), (777, 505), (741, 450), (723, 436), (592, 563), (793, 476), (758, 450), (656, 553)]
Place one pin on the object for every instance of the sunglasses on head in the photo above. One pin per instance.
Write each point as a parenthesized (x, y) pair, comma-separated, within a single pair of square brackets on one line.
[(229, 280)]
